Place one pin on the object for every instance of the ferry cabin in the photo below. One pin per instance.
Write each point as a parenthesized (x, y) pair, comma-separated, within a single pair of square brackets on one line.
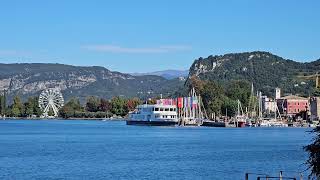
[(156, 112)]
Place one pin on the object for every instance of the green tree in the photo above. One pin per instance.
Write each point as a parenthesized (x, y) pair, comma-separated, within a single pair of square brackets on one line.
[(314, 155), (17, 107), (70, 108), (29, 107), (50, 112), (105, 105), (93, 104), (2, 106), (239, 90), (316, 92), (15, 112), (36, 109), (230, 106), (212, 97), (119, 106)]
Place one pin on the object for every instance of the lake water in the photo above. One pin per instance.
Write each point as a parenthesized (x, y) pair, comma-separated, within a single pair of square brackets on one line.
[(78, 149)]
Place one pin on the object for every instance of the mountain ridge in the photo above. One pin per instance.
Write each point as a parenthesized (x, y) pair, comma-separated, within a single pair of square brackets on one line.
[(28, 79), (168, 74)]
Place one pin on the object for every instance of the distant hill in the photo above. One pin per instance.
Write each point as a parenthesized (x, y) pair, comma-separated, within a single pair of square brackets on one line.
[(168, 74), (30, 79), (264, 69)]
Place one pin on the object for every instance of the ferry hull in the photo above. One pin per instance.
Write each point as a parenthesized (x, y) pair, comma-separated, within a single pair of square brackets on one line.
[(213, 124), (151, 123), (241, 124)]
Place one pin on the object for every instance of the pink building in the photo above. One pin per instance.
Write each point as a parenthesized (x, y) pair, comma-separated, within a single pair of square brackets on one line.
[(293, 105)]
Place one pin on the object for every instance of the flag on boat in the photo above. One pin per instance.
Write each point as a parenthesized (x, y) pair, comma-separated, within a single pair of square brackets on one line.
[(180, 102), (166, 101), (195, 102)]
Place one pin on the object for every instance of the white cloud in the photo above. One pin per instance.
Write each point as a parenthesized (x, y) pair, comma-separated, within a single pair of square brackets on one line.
[(119, 49), (8, 52), (14, 53)]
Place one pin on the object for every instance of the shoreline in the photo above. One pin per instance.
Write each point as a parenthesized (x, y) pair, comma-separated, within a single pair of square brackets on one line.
[(124, 119), (57, 119)]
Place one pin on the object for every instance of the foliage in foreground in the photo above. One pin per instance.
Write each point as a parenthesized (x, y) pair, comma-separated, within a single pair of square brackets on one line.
[(314, 155)]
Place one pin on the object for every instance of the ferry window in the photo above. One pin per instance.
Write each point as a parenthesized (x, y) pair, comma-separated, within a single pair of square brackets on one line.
[(157, 116), (161, 109), (156, 109), (166, 109)]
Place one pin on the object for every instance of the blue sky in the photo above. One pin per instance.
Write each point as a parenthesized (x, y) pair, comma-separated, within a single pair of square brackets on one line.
[(146, 35)]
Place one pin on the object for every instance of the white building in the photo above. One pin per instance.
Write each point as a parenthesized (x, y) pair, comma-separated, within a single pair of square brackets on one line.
[(268, 105), (278, 93)]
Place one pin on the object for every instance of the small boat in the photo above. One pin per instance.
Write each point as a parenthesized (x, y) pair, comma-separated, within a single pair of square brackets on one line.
[(241, 118), (154, 115)]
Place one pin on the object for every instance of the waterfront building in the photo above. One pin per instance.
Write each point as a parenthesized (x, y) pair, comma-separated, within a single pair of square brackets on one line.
[(291, 106), (268, 105), (315, 108)]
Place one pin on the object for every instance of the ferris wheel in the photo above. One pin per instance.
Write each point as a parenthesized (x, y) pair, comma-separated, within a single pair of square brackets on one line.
[(51, 99)]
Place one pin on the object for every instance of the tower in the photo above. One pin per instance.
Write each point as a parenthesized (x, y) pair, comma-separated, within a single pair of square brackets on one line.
[(278, 93)]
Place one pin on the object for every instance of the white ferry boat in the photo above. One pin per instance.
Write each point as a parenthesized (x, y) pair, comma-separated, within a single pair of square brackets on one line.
[(155, 115)]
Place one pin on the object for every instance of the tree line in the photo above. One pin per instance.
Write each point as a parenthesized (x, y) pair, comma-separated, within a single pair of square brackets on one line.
[(94, 107), (19, 108)]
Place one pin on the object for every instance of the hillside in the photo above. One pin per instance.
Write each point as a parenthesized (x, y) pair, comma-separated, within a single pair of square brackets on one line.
[(264, 69), (29, 79)]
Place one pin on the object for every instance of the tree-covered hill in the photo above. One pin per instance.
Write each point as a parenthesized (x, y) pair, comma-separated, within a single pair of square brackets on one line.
[(265, 70)]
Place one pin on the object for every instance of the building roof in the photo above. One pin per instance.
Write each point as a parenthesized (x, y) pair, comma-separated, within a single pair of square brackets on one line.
[(292, 97)]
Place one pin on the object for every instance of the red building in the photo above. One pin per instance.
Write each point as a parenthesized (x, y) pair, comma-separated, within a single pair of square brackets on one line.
[(292, 105)]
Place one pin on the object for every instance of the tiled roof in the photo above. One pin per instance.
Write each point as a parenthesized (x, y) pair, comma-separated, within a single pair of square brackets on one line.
[(292, 97)]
